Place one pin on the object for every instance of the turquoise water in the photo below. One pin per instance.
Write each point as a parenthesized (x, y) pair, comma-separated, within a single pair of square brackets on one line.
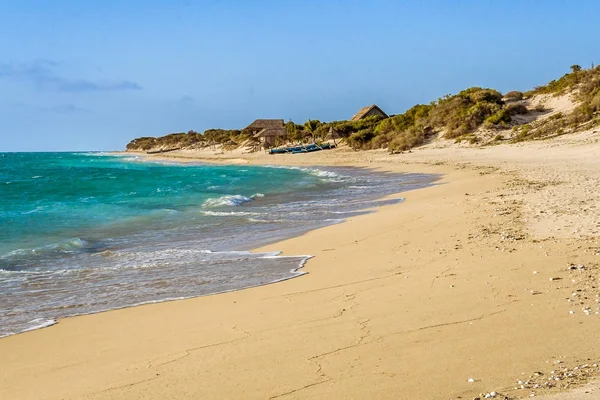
[(86, 232)]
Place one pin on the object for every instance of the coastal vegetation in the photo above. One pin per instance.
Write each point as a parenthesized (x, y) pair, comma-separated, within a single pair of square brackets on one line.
[(584, 87), (462, 117)]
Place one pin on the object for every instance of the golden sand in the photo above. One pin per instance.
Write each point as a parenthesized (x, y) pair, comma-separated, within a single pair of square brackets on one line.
[(468, 279)]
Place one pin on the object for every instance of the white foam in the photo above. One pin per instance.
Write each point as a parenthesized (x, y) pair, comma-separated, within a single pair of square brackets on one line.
[(98, 154), (40, 323), (40, 208), (229, 213), (227, 200), (73, 244), (329, 176)]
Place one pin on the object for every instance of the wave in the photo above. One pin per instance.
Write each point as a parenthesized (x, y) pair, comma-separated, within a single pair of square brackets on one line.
[(229, 213), (73, 244), (98, 154), (67, 246), (36, 324), (50, 319), (227, 200), (325, 175), (40, 323), (40, 208)]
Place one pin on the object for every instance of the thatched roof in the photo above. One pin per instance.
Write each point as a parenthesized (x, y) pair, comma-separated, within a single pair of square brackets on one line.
[(365, 110), (265, 124), (270, 132)]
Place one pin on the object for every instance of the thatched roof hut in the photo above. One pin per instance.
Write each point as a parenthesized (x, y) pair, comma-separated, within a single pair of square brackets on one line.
[(369, 111), (267, 130), (261, 124), (270, 132), (332, 134)]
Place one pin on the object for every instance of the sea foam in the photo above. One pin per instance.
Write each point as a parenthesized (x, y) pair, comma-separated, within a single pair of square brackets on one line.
[(227, 200)]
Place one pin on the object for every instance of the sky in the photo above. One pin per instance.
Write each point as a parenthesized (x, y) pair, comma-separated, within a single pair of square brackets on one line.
[(92, 75)]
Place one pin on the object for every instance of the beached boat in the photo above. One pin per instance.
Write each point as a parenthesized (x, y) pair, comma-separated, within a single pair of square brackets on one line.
[(160, 151), (309, 148)]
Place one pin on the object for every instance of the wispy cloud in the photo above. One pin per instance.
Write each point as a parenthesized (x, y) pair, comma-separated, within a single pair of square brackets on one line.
[(67, 109), (42, 74)]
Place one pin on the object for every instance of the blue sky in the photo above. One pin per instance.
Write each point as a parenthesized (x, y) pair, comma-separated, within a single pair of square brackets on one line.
[(91, 75)]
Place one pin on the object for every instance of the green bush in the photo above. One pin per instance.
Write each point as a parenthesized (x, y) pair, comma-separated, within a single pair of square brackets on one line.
[(458, 115), (514, 95), (407, 140), (516, 109), (473, 140), (360, 139), (502, 117)]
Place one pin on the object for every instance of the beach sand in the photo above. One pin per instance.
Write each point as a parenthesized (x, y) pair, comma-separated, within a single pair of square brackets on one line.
[(465, 280)]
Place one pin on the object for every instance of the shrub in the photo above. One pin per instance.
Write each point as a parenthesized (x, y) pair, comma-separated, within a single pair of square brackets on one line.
[(466, 111), (516, 109), (486, 95), (359, 140), (407, 140), (514, 95), (380, 141), (502, 117)]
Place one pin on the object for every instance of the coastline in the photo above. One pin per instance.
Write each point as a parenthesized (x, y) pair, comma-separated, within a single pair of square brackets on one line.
[(392, 299)]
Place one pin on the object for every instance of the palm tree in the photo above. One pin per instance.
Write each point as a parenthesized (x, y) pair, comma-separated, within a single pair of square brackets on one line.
[(311, 126)]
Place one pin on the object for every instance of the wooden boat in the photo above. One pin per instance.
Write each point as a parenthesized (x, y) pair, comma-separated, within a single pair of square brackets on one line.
[(162, 151), (302, 149)]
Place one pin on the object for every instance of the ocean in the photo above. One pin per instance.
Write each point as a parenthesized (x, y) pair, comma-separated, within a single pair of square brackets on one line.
[(87, 232)]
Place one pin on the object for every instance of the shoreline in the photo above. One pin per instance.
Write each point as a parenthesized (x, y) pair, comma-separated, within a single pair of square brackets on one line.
[(297, 271), (255, 249), (379, 328), (399, 184)]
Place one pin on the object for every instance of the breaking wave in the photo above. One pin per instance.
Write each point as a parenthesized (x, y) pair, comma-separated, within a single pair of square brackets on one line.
[(228, 200)]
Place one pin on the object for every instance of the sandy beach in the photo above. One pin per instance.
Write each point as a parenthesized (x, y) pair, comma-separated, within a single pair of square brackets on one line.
[(486, 282)]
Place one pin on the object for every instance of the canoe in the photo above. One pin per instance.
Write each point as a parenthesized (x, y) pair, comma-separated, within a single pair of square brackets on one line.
[(302, 149)]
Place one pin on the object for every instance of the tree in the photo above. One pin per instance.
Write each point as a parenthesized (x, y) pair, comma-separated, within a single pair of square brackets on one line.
[(292, 131), (575, 68), (311, 126)]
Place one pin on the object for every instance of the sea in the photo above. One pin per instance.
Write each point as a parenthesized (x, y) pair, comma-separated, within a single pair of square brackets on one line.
[(83, 233)]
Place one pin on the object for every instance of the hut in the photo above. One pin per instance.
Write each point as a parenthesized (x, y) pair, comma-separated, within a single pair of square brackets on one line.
[(369, 111), (267, 131), (333, 134)]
